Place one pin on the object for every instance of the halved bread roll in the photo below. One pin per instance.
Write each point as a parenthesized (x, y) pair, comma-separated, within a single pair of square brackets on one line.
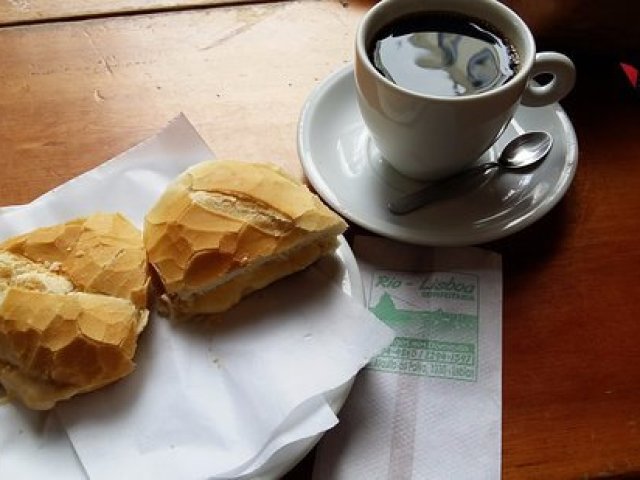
[(72, 304), (224, 229)]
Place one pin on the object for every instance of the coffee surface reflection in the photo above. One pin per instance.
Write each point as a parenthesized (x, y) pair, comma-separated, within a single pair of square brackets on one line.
[(443, 55)]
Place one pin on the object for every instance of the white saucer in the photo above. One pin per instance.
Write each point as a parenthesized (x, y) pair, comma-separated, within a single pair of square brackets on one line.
[(345, 168)]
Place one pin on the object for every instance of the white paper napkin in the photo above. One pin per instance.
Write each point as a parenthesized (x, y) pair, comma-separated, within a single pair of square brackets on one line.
[(429, 406), (204, 401), (34, 445)]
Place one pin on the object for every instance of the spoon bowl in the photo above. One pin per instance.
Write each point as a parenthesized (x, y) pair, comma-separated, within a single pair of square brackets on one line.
[(523, 152)]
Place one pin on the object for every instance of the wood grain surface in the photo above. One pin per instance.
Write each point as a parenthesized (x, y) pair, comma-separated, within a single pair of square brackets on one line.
[(571, 359), (74, 94), (18, 12)]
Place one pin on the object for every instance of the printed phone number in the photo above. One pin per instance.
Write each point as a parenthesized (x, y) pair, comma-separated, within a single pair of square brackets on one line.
[(431, 358), (428, 355)]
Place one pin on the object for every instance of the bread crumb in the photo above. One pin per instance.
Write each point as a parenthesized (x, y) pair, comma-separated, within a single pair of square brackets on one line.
[(54, 266)]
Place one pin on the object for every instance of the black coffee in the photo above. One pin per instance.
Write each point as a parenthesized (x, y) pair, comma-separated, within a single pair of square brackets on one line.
[(443, 54)]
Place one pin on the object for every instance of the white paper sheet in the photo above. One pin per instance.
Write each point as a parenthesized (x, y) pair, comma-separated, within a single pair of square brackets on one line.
[(34, 445), (429, 406), (203, 402)]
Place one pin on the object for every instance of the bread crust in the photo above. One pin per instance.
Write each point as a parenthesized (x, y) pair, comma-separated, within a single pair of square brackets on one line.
[(226, 221), (72, 305), (102, 253)]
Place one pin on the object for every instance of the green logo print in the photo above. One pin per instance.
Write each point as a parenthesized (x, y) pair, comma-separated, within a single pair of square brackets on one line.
[(449, 288), (433, 343)]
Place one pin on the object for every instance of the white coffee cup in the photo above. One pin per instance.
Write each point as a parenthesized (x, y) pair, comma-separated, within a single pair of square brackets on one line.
[(428, 137)]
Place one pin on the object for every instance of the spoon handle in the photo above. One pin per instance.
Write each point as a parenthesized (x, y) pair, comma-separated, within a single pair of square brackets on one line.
[(436, 191)]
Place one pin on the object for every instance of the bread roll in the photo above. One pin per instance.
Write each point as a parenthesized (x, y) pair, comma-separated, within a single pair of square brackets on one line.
[(72, 304), (224, 229)]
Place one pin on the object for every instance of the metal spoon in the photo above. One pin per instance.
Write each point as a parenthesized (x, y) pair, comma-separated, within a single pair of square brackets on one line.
[(523, 151)]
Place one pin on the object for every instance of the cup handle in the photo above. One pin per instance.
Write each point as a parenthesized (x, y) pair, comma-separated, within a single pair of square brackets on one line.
[(564, 77)]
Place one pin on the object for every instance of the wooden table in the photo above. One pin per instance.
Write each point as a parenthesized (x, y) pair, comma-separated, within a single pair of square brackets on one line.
[(76, 91)]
